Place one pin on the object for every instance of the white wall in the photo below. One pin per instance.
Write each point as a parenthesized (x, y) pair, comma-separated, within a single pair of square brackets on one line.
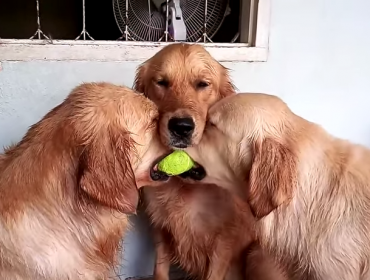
[(319, 63)]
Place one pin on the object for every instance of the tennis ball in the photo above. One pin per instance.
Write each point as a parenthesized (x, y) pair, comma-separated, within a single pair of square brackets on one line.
[(176, 163)]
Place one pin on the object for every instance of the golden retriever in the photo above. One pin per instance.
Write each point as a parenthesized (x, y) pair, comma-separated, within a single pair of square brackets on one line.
[(184, 81), (310, 190), (66, 187)]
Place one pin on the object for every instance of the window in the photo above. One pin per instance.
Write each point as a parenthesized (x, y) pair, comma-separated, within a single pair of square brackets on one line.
[(131, 30)]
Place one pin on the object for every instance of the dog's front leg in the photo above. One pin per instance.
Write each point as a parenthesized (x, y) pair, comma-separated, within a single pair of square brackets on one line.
[(162, 258), (220, 265)]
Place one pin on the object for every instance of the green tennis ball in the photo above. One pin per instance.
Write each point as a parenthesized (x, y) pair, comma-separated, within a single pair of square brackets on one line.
[(176, 163)]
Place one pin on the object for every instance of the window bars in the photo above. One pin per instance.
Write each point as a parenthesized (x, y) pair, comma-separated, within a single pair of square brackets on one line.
[(39, 32), (84, 32), (41, 35), (146, 20)]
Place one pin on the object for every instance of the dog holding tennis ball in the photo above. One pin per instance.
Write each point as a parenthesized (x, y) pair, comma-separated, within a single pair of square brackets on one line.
[(199, 227)]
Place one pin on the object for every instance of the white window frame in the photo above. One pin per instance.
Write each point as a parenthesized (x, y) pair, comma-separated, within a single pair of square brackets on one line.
[(72, 50)]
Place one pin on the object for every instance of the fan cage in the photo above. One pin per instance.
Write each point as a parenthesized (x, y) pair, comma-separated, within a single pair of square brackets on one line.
[(140, 20)]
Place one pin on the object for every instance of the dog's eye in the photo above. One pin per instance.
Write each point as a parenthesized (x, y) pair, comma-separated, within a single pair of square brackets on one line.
[(202, 84), (163, 83)]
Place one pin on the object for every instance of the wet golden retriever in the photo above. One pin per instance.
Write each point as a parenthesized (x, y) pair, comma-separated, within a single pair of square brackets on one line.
[(184, 80), (191, 227), (310, 190), (66, 187)]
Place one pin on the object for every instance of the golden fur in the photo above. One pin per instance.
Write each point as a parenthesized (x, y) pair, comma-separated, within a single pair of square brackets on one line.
[(310, 190), (205, 241), (204, 229), (66, 188)]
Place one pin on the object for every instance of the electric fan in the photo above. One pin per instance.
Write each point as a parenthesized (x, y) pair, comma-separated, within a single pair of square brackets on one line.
[(145, 20)]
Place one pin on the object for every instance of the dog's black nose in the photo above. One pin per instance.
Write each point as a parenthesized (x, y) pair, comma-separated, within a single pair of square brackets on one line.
[(181, 127)]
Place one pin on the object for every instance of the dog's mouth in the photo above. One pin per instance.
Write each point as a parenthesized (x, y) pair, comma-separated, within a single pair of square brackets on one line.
[(179, 144), (157, 175), (196, 173)]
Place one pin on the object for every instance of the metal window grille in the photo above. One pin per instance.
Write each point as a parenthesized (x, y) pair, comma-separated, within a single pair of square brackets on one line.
[(152, 24)]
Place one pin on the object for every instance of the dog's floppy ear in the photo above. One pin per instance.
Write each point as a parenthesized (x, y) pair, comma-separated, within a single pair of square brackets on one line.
[(227, 88), (139, 82), (106, 175), (272, 178)]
